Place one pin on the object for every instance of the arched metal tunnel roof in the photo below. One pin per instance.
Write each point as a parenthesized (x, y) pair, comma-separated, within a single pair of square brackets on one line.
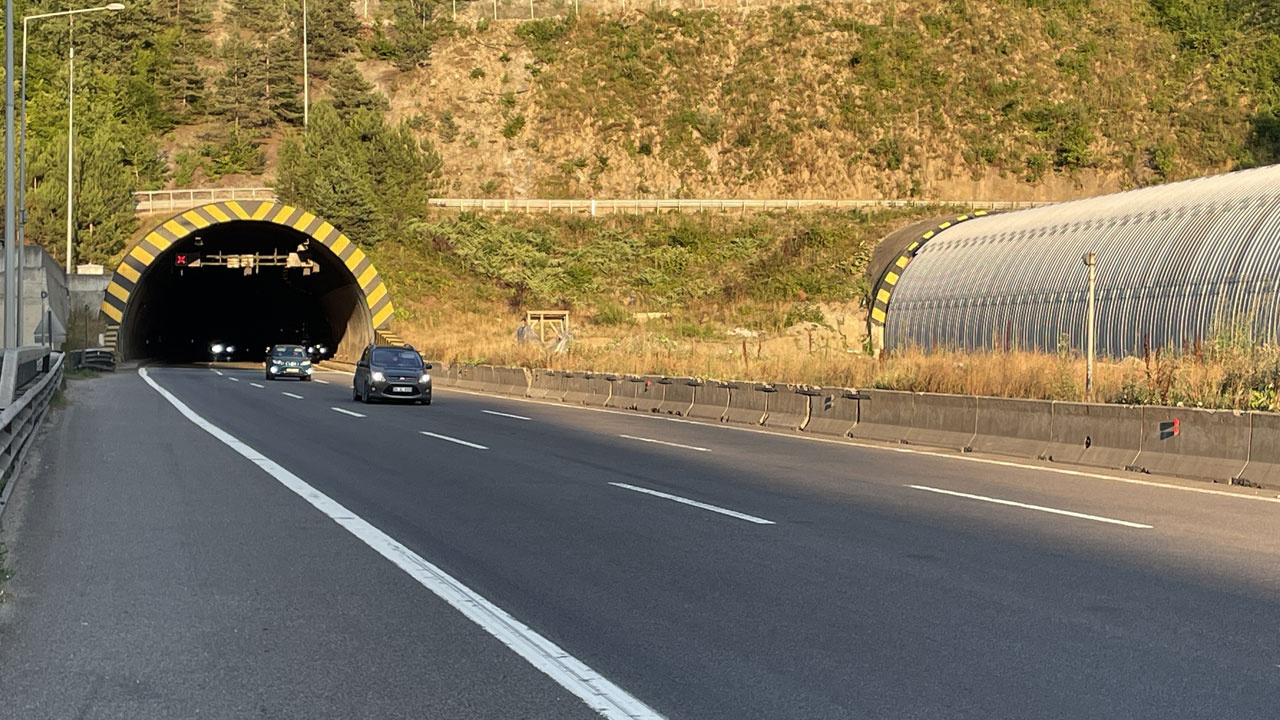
[(375, 306), (1174, 264)]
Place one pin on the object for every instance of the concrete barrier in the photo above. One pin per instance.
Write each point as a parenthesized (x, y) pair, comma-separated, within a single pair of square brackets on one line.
[(599, 389), (678, 395), (1096, 435), (1188, 442), (622, 392), (487, 377), (945, 421), (547, 385), (577, 388), (710, 400), (1021, 428), (650, 393), (467, 378), (511, 381), (748, 403), (885, 415), (788, 407), (1263, 469), (832, 411)]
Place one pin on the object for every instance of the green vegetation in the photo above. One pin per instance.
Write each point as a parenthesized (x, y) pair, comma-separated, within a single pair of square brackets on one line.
[(764, 271)]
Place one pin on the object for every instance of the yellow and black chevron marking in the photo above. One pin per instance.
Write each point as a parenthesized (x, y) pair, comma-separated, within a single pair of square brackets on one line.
[(889, 280), (179, 226), (111, 336), (386, 337)]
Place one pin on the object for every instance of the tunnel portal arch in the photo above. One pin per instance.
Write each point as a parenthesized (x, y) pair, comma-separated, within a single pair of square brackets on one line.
[(359, 307)]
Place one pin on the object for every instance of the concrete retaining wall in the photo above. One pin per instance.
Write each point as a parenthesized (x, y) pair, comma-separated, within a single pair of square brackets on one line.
[(832, 411), (945, 421), (710, 401), (1021, 428), (1188, 442), (677, 397), (748, 403), (788, 407), (1097, 435), (885, 415)]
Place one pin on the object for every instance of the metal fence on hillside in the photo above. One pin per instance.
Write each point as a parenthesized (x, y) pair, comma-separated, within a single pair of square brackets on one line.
[(155, 201)]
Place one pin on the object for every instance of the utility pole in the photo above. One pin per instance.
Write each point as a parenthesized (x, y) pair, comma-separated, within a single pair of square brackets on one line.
[(1090, 261), (306, 76), (10, 199), (71, 134)]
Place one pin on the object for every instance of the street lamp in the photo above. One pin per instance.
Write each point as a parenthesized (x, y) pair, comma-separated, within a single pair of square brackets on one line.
[(306, 77), (22, 180)]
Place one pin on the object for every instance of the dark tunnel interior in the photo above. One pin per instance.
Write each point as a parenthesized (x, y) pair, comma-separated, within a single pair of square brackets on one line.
[(236, 284)]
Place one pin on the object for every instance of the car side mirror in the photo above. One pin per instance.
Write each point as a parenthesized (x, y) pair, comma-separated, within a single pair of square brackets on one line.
[(428, 366)]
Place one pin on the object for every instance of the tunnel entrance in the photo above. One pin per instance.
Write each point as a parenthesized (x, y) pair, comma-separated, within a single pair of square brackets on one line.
[(244, 275)]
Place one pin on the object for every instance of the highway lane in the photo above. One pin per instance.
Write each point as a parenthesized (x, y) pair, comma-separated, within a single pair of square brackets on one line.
[(157, 575), (866, 598)]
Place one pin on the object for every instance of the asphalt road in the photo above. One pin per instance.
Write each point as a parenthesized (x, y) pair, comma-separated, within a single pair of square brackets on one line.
[(159, 572)]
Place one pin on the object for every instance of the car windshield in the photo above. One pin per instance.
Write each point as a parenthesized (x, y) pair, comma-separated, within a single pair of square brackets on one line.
[(391, 358), (289, 351)]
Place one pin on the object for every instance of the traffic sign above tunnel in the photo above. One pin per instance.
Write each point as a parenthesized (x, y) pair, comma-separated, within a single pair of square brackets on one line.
[(225, 235)]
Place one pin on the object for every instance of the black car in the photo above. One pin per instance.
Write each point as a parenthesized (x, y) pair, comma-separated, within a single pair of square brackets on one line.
[(288, 361), (390, 372)]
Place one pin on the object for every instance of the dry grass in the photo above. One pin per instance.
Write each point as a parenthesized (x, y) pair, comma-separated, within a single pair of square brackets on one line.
[(1237, 376)]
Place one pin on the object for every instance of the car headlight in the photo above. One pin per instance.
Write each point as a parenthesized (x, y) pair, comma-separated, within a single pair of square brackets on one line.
[(274, 368), (217, 348), (426, 378), (377, 376), (231, 348), (306, 363)]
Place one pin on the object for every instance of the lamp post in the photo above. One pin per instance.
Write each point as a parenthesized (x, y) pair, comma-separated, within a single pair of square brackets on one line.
[(22, 163), (10, 334), (306, 77), (1090, 261)]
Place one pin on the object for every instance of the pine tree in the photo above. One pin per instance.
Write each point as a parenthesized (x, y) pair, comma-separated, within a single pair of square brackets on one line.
[(104, 197), (417, 29), (243, 86), (351, 92), (331, 29), (283, 67), (261, 16)]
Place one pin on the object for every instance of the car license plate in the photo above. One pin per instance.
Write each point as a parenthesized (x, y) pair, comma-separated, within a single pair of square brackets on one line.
[(401, 389)]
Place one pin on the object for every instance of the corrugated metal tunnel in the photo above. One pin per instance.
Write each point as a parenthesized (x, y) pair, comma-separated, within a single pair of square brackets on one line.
[(1175, 265)]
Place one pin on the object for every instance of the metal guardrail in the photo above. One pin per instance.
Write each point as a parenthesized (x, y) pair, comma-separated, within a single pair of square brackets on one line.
[(93, 359), (152, 201), (599, 207), (19, 367), (18, 421)]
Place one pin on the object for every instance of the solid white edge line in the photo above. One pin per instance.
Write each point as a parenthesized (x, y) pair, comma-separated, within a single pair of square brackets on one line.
[(881, 448), (695, 503), (664, 442), (505, 415), (453, 440), (292, 395), (1040, 508), (257, 385), (345, 411), (594, 689)]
